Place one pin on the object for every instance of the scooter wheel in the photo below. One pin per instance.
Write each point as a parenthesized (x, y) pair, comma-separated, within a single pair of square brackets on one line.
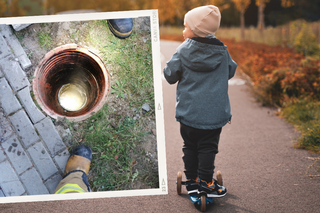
[(219, 178), (179, 180), (203, 203)]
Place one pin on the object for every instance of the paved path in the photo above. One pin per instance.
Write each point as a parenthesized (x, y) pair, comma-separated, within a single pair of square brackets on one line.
[(32, 153), (261, 170)]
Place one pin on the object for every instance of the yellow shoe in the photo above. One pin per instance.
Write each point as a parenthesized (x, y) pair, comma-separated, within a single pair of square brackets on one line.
[(79, 160)]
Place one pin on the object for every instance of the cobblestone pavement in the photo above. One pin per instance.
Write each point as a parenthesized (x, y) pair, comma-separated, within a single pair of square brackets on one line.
[(32, 153)]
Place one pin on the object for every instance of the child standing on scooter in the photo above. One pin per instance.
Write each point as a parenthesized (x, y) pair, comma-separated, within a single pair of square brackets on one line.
[(202, 67)]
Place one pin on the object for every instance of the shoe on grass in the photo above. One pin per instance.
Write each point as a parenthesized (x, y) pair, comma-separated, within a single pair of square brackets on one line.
[(80, 159), (121, 28)]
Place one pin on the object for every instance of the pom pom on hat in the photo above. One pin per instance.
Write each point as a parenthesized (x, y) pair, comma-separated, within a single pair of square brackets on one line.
[(203, 20)]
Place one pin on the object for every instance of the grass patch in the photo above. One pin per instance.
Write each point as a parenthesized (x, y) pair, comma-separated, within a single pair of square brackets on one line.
[(133, 76), (115, 133), (305, 115), (112, 145), (316, 167), (44, 40)]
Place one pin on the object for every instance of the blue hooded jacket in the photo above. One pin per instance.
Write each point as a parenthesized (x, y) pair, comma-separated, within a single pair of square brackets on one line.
[(202, 68)]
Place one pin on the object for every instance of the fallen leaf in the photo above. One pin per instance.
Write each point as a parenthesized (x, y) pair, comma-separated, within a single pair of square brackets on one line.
[(134, 162), (154, 131)]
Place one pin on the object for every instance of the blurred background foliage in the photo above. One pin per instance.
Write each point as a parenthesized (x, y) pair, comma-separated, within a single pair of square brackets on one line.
[(274, 12)]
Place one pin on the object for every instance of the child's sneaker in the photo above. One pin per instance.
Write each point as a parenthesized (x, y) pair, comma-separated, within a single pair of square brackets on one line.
[(192, 186), (212, 189)]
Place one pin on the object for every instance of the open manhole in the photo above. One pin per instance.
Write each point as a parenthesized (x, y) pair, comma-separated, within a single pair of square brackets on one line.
[(71, 81)]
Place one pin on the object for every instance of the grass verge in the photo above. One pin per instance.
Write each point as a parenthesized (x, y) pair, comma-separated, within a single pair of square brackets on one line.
[(305, 115)]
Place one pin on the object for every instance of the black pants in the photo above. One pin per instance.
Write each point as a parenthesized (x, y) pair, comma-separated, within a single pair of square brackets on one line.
[(200, 148)]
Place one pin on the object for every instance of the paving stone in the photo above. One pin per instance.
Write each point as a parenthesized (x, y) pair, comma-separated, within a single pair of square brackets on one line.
[(2, 156), (24, 128), (9, 181), (42, 160), (8, 100), (13, 72), (61, 159), (53, 182), (18, 51), (24, 61), (18, 27), (34, 113), (5, 128), (33, 182), (50, 136), (6, 30), (15, 152), (4, 49)]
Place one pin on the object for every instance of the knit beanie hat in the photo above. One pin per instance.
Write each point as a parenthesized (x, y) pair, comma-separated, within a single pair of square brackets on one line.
[(203, 20)]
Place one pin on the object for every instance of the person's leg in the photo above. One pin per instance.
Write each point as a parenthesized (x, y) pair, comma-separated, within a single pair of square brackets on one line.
[(190, 157), (207, 150), (75, 178), (72, 183)]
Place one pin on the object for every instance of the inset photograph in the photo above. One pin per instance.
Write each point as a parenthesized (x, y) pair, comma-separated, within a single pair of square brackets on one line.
[(78, 107)]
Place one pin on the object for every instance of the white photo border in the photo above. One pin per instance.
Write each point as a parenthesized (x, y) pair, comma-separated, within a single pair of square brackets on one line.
[(155, 39)]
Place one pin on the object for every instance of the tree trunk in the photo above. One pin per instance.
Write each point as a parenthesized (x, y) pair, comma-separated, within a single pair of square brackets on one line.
[(9, 2), (261, 17), (242, 22)]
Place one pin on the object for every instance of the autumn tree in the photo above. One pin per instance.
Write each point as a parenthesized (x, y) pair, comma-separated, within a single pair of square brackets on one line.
[(146, 4), (10, 8), (261, 5), (183, 6), (3, 7), (166, 9), (287, 3), (242, 6), (55, 6), (221, 4), (16, 10), (112, 5)]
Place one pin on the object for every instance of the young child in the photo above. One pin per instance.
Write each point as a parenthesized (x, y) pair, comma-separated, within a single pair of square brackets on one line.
[(202, 67)]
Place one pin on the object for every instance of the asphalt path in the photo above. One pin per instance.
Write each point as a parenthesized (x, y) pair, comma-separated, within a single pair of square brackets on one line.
[(261, 170)]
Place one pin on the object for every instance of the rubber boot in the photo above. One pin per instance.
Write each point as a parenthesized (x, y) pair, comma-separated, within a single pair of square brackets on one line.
[(80, 159), (121, 28)]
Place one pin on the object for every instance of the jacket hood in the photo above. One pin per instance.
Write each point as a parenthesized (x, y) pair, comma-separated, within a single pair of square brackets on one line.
[(204, 54)]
